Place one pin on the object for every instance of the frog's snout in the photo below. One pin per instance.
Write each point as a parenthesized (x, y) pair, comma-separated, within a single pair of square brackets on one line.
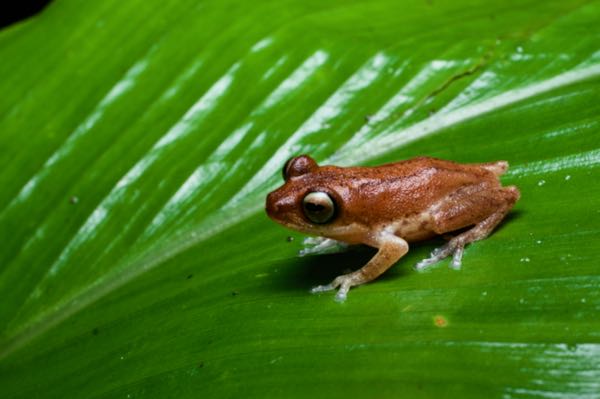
[(276, 206), (279, 206), (272, 206)]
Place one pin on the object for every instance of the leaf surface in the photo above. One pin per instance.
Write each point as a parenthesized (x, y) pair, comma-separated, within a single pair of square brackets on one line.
[(139, 139)]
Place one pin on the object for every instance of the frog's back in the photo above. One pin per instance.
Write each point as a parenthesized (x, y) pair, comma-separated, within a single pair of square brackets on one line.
[(423, 168), (415, 165), (409, 187)]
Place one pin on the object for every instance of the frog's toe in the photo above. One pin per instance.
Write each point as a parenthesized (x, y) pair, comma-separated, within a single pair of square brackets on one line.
[(322, 288), (342, 294), (320, 245), (454, 248), (457, 258), (344, 282), (436, 256), (425, 263), (313, 240)]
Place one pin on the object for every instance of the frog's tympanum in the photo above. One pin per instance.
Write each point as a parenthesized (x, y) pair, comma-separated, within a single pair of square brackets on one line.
[(388, 206)]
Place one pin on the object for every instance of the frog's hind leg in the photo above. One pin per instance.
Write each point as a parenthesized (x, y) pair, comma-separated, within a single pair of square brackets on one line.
[(483, 209)]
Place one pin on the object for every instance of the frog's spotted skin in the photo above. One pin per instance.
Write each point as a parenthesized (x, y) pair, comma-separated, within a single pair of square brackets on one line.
[(389, 206)]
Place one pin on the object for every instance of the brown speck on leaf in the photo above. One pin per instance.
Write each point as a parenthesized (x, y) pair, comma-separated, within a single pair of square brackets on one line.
[(440, 321)]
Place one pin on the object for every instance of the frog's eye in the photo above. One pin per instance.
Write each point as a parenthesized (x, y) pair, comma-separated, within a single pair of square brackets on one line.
[(297, 166), (318, 207)]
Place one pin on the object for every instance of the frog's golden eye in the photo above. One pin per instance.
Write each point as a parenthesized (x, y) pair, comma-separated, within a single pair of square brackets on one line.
[(318, 207)]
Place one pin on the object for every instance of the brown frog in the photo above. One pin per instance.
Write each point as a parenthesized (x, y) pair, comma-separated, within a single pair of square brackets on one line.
[(388, 206)]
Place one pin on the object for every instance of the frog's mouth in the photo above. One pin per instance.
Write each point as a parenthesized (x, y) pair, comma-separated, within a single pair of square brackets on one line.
[(352, 234)]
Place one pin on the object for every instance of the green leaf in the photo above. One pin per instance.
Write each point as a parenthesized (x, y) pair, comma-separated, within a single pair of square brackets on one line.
[(137, 143)]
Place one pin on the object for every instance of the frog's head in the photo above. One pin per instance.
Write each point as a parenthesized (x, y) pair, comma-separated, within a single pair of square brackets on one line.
[(308, 200)]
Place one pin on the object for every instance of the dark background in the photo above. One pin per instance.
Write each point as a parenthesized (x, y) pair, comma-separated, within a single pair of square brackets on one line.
[(17, 10)]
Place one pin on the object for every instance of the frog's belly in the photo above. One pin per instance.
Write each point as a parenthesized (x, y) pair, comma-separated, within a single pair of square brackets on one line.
[(415, 228)]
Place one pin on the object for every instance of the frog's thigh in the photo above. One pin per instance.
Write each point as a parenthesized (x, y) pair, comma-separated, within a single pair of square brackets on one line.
[(472, 205), (496, 207)]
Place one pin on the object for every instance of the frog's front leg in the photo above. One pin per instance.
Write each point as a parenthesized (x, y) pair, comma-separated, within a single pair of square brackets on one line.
[(391, 248)]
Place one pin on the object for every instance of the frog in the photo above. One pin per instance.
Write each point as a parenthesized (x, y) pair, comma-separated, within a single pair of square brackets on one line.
[(389, 206)]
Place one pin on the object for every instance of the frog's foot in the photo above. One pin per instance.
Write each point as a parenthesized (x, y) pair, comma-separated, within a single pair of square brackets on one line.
[(319, 245), (454, 247), (344, 282)]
